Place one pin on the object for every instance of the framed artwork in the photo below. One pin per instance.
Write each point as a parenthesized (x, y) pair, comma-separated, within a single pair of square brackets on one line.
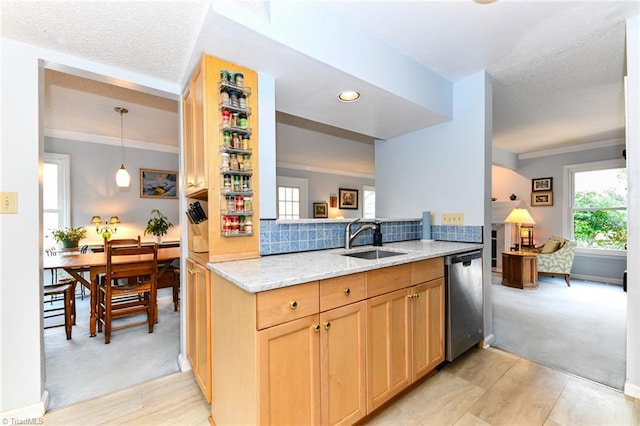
[(158, 184), (333, 201), (542, 198), (348, 199), (542, 184), (320, 210)]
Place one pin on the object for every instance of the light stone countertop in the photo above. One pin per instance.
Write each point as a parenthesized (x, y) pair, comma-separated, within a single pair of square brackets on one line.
[(271, 272)]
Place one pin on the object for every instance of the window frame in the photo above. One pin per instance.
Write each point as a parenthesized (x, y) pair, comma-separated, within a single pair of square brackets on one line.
[(365, 189), (569, 190), (63, 162), (303, 185)]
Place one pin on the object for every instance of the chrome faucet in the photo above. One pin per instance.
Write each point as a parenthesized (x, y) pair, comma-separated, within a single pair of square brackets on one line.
[(349, 237)]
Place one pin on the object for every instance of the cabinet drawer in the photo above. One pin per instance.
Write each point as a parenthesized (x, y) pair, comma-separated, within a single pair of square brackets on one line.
[(341, 291), (385, 280), (286, 304), (427, 270)]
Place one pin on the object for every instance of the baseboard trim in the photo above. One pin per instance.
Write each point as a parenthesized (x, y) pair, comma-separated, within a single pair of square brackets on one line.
[(183, 363), (632, 390), (488, 340), (31, 414), (608, 280)]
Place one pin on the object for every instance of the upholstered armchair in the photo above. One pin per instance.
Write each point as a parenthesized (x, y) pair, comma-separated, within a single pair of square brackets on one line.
[(556, 257)]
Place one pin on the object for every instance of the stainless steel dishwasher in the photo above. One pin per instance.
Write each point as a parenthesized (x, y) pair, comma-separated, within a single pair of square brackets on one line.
[(463, 298)]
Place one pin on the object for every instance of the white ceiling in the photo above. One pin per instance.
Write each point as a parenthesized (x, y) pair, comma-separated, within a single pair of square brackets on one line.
[(557, 66)]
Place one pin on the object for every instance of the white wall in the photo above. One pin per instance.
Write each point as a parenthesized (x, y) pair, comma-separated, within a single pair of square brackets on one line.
[(440, 168), (632, 385), (22, 363), (267, 154), (322, 185), (94, 191), (444, 169)]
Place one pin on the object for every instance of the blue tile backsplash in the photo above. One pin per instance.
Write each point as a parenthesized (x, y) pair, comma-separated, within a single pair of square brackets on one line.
[(278, 238)]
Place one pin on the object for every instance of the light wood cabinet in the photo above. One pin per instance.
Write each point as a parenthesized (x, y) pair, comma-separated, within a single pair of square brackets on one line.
[(427, 322), (405, 328), (342, 364), (387, 346), (334, 358), (205, 149), (195, 156), (198, 307), (290, 373)]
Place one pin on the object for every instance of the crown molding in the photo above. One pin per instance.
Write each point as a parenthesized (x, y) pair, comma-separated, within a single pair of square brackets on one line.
[(573, 148), (323, 170), (109, 140)]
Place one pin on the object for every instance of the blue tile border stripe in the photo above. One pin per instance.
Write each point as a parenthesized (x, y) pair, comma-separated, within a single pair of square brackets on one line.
[(278, 238)]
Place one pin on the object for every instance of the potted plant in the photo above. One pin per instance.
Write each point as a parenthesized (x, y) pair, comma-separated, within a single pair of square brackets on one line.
[(69, 237), (158, 225)]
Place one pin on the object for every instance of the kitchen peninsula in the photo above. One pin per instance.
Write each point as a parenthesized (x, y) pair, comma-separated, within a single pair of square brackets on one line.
[(323, 338)]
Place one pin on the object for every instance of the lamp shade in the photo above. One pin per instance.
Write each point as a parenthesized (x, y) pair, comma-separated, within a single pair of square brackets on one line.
[(122, 177), (519, 215), (96, 219), (114, 220)]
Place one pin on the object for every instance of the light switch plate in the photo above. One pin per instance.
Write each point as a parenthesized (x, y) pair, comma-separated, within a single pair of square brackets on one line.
[(452, 218), (8, 202)]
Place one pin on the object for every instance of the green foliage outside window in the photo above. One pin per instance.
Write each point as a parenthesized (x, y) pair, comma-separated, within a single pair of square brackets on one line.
[(600, 218)]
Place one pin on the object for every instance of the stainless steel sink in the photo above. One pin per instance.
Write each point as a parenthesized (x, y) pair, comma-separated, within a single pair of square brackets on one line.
[(373, 254)]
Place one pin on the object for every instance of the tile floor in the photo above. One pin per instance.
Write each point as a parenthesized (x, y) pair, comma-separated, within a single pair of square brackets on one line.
[(483, 387), (491, 387)]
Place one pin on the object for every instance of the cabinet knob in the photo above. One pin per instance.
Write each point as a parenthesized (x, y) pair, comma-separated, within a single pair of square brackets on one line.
[(327, 325), (316, 328), (347, 291), (293, 304)]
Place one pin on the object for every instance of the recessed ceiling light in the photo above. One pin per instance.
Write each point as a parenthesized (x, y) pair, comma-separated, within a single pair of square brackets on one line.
[(349, 96), (484, 1)]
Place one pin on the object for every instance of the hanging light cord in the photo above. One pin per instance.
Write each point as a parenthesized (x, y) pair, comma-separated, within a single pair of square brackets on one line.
[(122, 111)]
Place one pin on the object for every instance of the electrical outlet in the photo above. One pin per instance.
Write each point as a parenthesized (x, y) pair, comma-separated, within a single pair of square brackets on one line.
[(8, 202), (452, 218)]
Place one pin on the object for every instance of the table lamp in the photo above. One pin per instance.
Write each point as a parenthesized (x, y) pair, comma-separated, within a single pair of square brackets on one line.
[(519, 216)]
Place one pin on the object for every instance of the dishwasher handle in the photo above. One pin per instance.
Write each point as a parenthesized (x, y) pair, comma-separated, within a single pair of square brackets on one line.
[(464, 258)]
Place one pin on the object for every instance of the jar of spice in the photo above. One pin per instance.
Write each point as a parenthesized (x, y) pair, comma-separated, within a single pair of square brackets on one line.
[(226, 117), (235, 141), (242, 100), (246, 162), (248, 227), (226, 138), (237, 183), (224, 161), (245, 142), (227, 183), (242, 121), (239, 77), (233, 162), (231, 203), (233, 99), (247, 204), (245, 183), (224, 97), (239, 203)]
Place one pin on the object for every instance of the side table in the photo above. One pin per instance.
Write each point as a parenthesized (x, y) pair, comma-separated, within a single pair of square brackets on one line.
[(520, 269)]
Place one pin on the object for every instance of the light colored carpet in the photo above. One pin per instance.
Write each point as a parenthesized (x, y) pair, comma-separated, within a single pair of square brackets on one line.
[(84, 367), (579, 329)]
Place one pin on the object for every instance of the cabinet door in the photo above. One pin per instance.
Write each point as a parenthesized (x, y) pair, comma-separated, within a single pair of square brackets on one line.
[(289, 373), (199, 325), (387, 346), (427, 327), (189, 146), (342, 355), (199, 140)]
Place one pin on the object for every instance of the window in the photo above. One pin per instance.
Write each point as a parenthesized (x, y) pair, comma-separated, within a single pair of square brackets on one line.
[(598, 205), (369, 202), (55, 195), (292, 198)]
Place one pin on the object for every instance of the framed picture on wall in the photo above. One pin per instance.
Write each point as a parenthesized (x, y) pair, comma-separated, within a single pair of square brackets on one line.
[(348, 199), (158, 184), (320, 210), (333, 201), (542, 184), (542, 198)]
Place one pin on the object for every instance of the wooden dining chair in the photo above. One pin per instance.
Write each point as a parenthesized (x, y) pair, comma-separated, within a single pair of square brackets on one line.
[(64, 289), (128, 286)]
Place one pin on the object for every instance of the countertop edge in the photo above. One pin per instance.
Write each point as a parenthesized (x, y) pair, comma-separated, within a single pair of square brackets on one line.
[(283, 270)]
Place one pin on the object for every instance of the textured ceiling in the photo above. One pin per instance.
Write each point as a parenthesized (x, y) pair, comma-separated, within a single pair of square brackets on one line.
[(557, 66)]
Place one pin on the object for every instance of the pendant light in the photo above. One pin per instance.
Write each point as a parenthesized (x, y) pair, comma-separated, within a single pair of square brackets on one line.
[(122, 176)]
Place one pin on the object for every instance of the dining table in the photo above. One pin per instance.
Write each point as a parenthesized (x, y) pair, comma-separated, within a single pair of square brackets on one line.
[(75, 264)]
